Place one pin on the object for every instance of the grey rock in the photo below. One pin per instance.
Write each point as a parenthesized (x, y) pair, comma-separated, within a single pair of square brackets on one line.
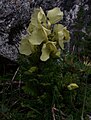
[(14, 16)]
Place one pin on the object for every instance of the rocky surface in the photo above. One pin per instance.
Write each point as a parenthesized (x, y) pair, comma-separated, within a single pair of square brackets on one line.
[(15, 16)]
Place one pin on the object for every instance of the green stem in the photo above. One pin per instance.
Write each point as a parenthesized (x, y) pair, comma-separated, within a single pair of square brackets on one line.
[(82, 118)]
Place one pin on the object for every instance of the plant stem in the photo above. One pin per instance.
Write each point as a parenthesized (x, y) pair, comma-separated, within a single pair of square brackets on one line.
[(82, 118)]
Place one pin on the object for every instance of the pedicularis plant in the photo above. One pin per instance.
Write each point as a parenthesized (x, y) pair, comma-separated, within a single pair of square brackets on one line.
[(48, 82), (45, 34)]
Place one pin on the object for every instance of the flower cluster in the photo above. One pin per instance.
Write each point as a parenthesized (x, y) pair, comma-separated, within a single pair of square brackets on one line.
[(45, 32)]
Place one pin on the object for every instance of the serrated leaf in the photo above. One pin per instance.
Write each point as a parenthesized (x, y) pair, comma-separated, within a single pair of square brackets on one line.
[(26, 47), (72, 86), (55, 15)]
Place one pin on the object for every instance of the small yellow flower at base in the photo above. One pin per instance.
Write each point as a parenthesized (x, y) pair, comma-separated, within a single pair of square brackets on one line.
[(72, 86)]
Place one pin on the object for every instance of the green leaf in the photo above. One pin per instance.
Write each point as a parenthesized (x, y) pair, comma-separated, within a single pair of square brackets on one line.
[(55, 15), (33, 69), (26, 47), (70, 117), (3, 108), (31, 114)]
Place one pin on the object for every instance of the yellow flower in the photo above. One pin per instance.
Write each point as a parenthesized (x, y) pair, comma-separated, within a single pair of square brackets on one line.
[(72, 86)]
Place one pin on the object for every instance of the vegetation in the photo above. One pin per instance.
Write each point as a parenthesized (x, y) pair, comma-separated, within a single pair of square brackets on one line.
[(50, 83), (42, 92)]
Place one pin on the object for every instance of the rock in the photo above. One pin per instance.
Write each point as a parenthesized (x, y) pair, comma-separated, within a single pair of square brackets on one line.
[(15, 16)]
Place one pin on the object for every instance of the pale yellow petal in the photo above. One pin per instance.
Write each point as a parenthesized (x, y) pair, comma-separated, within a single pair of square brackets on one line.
[(58, 53), (58, 28), (55, 15), (37, 37), (66, 35), (41, 16), (61, 44), (26, 47), (72, 86), (46, 31), (34, 18), (51, 46), (45, 53), (30, 28)]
